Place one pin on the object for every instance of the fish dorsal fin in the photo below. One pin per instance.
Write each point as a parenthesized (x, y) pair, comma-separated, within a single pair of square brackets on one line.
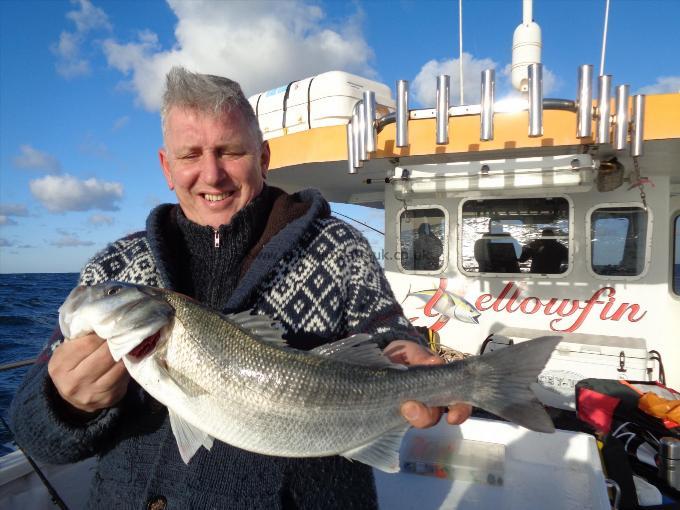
[(189, 438), (357, 350), (382, 453), (264, 328)]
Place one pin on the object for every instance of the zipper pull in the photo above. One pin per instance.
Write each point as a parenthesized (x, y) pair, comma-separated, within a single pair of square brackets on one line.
[(217, 238)]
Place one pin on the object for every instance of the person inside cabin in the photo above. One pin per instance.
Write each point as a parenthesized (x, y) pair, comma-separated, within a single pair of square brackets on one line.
[(234, 243), (496, 251), (427, 249), (547, 254)]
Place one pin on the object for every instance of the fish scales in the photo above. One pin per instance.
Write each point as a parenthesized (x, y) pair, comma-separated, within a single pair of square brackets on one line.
[(308, 400), (310, 406), (230, 378)]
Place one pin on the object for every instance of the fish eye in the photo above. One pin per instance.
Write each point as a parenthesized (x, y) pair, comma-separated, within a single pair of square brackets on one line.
[(114, 289)]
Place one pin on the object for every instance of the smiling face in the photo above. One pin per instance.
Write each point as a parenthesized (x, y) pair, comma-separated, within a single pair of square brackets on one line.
[(214, 163)]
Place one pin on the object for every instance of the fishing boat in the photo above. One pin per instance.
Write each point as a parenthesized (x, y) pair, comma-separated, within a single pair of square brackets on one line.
[(504, 221)]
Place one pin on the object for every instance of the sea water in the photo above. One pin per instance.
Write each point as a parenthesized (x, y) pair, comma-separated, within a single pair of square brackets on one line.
[(28, 316)]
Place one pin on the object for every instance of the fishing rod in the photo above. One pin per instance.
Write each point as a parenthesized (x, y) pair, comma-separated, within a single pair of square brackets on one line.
[(17, 364), (54, 495), (359, 222)]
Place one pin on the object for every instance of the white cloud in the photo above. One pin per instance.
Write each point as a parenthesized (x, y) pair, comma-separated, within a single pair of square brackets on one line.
[(34, 159), (120, 123), (6, 220), (67, 193), (424, 86), (663, 85), (66, 241), (87, 18), (100, 219), (13, 210), (92, 147), (259, 44)]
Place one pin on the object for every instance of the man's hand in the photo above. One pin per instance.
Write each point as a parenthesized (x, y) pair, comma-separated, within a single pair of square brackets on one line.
[(418, 414), (85, 374)]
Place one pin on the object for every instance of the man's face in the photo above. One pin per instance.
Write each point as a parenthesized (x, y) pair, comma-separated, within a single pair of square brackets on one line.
[(213, 163)]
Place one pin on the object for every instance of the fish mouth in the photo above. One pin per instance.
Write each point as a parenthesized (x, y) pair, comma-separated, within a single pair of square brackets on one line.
[(146, 347)]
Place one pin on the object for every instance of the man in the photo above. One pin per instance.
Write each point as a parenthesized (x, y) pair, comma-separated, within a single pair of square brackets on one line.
[(234, 244), (547, 254), (427, 249)]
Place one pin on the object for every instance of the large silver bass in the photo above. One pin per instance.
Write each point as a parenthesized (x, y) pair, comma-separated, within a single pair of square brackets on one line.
[(233, 378)]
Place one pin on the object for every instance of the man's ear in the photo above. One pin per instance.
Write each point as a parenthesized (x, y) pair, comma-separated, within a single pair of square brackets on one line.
[(165, 166), (265, 156)]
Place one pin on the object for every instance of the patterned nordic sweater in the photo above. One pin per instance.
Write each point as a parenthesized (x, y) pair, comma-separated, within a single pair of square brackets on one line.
[(319, 278)]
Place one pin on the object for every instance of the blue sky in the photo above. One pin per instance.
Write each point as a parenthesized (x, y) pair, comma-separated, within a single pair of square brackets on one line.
[(80, 84)]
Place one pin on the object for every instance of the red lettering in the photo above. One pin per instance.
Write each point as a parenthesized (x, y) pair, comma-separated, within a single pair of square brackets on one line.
[(633, 310), (483, 298), (586, 310), (524, 305), (506, 290), (625, 307), (575, 305), (507, 301), (510, 302), (607, 307), (549, 305)]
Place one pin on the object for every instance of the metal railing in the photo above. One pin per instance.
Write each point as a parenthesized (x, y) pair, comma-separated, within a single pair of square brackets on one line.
[(617, 124)]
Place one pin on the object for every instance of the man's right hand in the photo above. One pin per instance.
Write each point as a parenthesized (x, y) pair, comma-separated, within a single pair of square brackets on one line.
[(85, 374)]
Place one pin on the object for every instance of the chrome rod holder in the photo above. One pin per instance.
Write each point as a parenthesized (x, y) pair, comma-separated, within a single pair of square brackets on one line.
[(443, 82), (621, 127), (402, 113), (356, 137), (487, 101), (369, 121), (584, 116), (351, 169), (604, 119), (535, 100), (361, 110), (638, 122)]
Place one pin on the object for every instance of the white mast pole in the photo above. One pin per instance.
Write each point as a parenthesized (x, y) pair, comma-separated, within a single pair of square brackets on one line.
[(604, 37), (460, 44)]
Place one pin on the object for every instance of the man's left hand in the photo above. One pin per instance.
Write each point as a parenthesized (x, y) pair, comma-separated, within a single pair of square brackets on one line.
[(418, 414)]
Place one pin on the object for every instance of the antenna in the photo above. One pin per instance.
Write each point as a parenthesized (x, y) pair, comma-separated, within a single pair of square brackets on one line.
[(604, 37), (460, 44), (526, 47)]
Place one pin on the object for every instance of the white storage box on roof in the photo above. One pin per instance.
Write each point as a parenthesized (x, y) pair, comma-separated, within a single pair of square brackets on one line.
[(323, 100), (579, 356)]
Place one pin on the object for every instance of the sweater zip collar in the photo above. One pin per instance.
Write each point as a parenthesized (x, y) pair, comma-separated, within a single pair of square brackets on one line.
[(217, 237)]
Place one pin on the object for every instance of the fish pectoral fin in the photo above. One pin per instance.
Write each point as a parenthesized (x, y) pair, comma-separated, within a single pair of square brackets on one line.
[(383, 453), (189, 438), (262, 327), (357, 350)]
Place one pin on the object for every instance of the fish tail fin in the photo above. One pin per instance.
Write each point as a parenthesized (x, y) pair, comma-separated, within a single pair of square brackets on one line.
[(505, 377)]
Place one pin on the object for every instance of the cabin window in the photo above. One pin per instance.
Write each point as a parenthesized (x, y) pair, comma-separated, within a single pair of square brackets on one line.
[(676, 255), (422, 233), (515, 235), (618, 238)]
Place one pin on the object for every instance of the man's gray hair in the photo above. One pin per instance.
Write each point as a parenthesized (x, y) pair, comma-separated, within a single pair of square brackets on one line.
[(206, 93)]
